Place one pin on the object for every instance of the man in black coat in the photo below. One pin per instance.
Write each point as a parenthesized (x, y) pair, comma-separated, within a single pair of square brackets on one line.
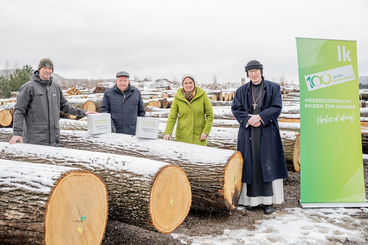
[(124, 103), (256, 106)]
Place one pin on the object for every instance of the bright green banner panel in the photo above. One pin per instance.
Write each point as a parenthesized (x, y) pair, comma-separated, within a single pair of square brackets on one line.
[(330, 134)]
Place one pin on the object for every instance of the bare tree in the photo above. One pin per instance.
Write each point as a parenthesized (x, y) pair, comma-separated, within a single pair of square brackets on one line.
[(214, 79)]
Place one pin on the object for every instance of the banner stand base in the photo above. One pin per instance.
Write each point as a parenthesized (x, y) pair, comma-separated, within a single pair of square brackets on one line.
[(335, 205)]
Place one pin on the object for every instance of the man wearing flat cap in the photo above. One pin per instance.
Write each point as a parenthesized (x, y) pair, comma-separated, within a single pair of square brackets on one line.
[(256, 106), (37, 111), (124, 103)]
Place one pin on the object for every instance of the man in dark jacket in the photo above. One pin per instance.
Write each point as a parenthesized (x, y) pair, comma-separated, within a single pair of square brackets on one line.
[(37, 111), (124, 103), (256, 106)]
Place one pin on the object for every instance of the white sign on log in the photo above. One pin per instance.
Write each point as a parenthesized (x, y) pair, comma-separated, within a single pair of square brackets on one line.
[(147, 128), (99, 123)]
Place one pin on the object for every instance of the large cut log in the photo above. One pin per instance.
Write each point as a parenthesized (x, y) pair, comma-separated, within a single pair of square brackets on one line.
[(6, 114), (48, 204), (92, 105), (214, 174), (6, 117), (226, 138), (142, 192), (288, 142), (296, 153)]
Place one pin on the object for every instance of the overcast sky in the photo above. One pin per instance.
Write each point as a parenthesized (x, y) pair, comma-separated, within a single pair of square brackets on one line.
[(167, 39)]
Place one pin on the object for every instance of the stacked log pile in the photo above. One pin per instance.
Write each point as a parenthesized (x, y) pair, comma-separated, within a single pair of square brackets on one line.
[(158, 103), (142, 192), (99, 89), (73, 91), (40, 204), (220, 96), (7, 101)]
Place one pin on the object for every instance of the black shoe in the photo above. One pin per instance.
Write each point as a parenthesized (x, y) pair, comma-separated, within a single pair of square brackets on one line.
[(268, 209)]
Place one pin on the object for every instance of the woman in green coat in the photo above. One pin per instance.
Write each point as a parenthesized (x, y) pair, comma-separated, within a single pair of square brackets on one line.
[(193, 107)]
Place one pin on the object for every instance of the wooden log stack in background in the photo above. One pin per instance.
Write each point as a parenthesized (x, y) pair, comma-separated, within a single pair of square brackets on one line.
[(99, 89), (142, 192), (73, 91), (47, 204)]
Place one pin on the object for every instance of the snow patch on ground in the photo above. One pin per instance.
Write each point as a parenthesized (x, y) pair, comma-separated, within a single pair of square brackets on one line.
[(296, 226)]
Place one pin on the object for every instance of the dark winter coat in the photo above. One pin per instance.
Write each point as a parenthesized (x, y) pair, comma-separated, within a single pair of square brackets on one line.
[(272, 153), (124, 108), (37, 111)]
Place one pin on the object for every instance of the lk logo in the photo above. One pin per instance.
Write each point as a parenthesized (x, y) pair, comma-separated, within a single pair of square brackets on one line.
[(343, 54)]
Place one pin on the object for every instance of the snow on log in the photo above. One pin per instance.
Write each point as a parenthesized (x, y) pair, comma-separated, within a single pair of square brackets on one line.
[(214, 174), (221, 103), (90, 102), (48, 204), (227, 137), (67, 124), (142, 192)]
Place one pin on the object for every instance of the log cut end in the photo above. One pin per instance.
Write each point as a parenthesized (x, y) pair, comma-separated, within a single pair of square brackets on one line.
[(296, 153), (77, 209), (90, 106), (6, 118), (170, 199), (232, 180)]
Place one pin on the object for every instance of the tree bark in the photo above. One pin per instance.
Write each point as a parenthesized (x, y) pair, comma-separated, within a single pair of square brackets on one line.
[(296, 153), (142, 192), (214, 174), (39, 205)]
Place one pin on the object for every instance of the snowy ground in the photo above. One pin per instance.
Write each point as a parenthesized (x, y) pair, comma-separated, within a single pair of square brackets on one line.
[(296, 226)]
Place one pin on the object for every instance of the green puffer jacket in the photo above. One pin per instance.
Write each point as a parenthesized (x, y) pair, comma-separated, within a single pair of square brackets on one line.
[(195, 117)]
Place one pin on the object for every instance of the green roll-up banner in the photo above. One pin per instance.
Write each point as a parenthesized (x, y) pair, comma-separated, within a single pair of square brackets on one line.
[(330, 133)]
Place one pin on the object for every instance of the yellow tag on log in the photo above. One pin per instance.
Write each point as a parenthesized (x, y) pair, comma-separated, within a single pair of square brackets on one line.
[(80, 229)]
